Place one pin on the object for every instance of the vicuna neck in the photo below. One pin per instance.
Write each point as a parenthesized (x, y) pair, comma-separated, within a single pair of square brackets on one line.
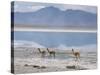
[(39, 50), (73, 51), (48, 50)]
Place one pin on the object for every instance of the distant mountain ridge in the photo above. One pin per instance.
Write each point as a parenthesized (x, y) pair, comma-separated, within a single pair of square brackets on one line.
[(52, 16)]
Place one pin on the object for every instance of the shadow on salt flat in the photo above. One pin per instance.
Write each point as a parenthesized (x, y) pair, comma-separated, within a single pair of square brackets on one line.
[(76, 67)]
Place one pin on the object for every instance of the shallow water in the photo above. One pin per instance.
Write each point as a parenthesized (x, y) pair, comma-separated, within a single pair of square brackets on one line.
[(61, 62)]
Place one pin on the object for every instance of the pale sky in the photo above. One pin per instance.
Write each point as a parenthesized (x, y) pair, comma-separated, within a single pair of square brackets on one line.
[(32, 7)]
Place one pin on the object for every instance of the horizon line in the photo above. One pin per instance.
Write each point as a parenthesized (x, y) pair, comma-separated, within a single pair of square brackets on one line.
[(53, 29)]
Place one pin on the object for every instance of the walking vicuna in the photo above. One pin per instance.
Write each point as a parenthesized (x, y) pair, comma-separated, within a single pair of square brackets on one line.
[(52, 53), (76, 54), (43, 53)]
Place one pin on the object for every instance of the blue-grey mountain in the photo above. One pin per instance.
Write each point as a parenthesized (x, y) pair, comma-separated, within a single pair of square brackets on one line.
[(53, 17)]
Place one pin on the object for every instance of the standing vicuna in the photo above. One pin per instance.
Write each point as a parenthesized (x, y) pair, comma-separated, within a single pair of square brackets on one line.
[(52, 53), (76, 54), (43, 53)]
